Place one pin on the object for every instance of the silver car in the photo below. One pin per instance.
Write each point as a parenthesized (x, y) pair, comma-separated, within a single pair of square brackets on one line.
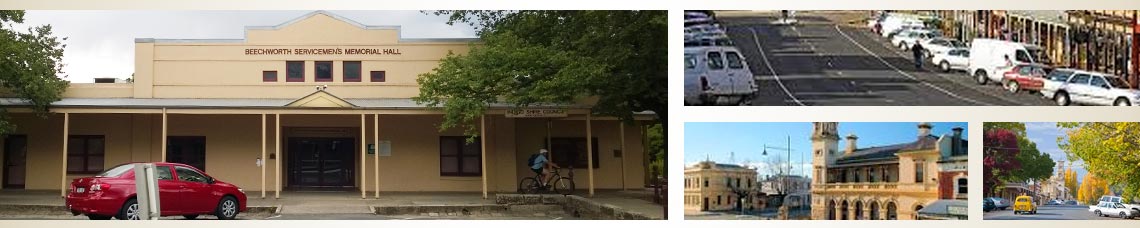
[(1066, 86), (1112, 209), (717, 75)]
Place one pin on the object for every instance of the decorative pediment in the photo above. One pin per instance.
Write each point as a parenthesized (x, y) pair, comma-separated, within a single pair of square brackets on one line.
[(320, 99)]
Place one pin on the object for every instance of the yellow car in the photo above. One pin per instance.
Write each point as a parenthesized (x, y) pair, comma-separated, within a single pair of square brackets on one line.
[(1024, 204)]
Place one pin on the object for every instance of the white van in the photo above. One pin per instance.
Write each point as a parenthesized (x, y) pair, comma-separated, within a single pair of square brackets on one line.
[(988, 58), (717, 75), (894, 23)]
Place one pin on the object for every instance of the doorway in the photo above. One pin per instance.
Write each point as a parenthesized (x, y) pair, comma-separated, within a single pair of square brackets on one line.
[(321, 162), (15, 161)]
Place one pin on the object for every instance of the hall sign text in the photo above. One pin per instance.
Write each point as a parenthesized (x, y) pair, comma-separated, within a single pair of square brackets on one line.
[(322, 51), (536, 113)]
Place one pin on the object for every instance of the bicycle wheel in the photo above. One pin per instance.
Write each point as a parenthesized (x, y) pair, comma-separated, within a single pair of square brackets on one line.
[(528, 185), (564, 186)]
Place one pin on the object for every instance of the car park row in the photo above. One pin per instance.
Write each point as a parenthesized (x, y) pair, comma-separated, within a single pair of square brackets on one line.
[(716, 72), (1014, 66)]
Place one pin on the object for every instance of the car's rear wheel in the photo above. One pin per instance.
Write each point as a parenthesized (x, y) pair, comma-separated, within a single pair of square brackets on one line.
[(98, 217), (191, 217), (129, 211), (1061, 98), (227, 208), (1121, 102), (981, 77)]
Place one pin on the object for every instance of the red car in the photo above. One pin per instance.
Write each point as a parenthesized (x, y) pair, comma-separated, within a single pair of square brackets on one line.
[(1029, 77), (183, 190)]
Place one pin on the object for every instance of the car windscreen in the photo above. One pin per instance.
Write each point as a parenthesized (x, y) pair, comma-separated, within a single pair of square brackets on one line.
[(1116, 82), (115, 172), (1059, 75), (690, 61)]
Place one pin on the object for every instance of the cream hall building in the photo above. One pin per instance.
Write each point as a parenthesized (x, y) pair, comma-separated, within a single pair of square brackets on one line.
[(318, 102)]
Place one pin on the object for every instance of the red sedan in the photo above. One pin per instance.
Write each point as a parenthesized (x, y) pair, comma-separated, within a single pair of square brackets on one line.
[(1029, 77), (183, 190)]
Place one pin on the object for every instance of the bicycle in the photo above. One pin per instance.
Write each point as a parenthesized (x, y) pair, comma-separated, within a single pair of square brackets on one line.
[(562, 185)]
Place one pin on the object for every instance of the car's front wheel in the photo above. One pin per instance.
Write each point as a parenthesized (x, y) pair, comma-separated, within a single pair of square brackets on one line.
[(1013, 87), (1062, 99), (227, 208), (129, 211), (1122, 215), (1098, 214), (945, 66)]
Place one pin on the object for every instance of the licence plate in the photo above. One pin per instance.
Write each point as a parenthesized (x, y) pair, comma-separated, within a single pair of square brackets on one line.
[(80, 190)]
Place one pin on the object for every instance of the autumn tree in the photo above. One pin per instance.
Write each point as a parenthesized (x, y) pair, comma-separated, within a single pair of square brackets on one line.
[(1071, 182), (1092, 188), (999, 158), (1109, 150), (31, 66)]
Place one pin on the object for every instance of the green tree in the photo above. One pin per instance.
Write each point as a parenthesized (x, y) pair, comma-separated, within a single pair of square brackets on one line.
[(1035, 166), (30, 66), (1109, 150), (657, 151), (614, 59)]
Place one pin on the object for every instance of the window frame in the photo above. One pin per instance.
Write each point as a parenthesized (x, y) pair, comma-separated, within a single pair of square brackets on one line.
[(461, 157), (317, 71), (264, 77), (372, 76), (359, 71), (301, 70), (87, 155)]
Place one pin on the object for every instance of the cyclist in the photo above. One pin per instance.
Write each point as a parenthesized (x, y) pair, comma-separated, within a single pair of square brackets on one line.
[(541, 164)]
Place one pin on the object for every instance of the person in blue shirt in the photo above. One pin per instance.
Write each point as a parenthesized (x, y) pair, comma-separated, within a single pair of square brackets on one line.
[(542, 165)]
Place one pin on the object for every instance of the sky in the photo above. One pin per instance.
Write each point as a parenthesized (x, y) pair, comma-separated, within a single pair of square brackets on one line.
[(744, 141), (101, 43), (1045, 135)]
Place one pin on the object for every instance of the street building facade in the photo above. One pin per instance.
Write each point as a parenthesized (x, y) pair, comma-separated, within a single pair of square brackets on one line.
[(711, 186), (318, 102), (885, 182)]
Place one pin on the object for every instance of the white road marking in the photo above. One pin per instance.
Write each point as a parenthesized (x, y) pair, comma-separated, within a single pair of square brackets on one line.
[(756, 39), (940, 89)]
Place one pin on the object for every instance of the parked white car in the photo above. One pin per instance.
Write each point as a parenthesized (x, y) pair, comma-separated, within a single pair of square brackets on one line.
[(1112, 209), (1068, 86), (696, 18), (941, 45), (907, 38), (703, 30), (894, 23), (954, 59), (717, 75), (990, 58)]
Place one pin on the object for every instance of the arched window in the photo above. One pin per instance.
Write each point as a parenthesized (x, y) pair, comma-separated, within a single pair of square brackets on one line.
[(843, 211), (830, 210), (892, 211), (859, 210), (874, 210)]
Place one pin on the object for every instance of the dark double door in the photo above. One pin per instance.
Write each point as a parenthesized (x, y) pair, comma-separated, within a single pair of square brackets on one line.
[(15, 161), (321, 162)]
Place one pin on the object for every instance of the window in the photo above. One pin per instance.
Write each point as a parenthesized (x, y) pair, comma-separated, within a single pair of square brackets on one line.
[(715, 61), (734, 60), (186, 174), (569, 152), (295, 71), (163, 173), (1059, 75), (459, 158), (377, 76), (323, 71), (962, 185), (706, 183), (189, 150), (690, 61), (84, 154), (352, 71), (1080, 79), (918, 172), (1098, 82), (269, 76)]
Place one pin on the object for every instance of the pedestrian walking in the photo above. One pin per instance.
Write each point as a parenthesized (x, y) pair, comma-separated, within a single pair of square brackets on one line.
[(917, 50)]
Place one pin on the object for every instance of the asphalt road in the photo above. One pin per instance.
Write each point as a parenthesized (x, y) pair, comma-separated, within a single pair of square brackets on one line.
[(1048, 212), (819, 61)]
